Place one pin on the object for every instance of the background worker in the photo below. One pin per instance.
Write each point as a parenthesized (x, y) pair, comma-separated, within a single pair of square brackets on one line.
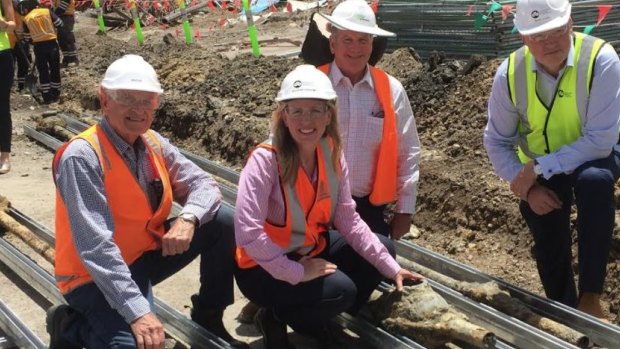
[(21, 49), (375, 118), (115, 186), (557, 101), (39, 28), (65, 10), (7, 25), (292, 190)]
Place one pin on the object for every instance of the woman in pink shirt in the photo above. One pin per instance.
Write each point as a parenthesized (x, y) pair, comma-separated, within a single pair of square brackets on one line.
[(293, 192)]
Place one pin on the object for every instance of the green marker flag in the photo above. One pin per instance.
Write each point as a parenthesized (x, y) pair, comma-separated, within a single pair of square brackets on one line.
[(588, 29), (495, 7), (136, 22), (251, 28), (479, 20), (514, 30), (99, 16), (187, 30)]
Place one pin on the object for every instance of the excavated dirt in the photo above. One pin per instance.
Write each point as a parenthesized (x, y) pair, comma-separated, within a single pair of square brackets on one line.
[(219, 107)]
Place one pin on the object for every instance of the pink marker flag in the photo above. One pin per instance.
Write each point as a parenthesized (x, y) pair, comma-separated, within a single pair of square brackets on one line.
[(603, 10), (289, 7), (374, 5), (210, 5), (197, 34), (506, 11), (470, 9)]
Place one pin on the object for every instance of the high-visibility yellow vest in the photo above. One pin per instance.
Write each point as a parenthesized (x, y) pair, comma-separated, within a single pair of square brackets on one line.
[(544, 129), (5, 44), (40, 25)]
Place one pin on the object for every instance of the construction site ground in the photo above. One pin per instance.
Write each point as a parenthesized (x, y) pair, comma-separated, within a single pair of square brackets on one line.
[(217, 102)]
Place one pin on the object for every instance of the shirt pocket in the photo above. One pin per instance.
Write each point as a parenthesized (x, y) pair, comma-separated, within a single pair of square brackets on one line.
[(374, 132)]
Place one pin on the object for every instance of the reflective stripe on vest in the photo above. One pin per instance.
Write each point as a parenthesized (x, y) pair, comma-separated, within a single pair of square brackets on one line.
[(137, 228), (309, 212), (542, 129), (67, 5), (4, 37), (40, 25), (386, 168)]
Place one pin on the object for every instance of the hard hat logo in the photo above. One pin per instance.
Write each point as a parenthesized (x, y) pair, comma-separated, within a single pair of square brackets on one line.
[(306, 82), (537, 16)]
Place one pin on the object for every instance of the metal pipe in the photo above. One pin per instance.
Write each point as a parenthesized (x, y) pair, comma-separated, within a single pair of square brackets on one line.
[(18, 331)]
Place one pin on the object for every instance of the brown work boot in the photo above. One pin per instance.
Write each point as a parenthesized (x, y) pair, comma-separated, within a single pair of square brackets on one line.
[(211, 320), (247, 313), (272, 329), (590, 303)]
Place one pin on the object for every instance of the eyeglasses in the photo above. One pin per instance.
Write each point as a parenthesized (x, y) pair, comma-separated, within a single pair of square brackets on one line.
[(130, 99), (313, 113), (550, 34)]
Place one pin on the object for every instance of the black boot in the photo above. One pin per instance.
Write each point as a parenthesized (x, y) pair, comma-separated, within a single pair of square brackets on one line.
[(211, 320), (329, 336), (56, 320), (273, 330)]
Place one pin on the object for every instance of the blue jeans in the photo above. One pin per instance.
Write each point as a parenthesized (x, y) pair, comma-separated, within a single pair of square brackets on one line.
[(592, 187), (94, 324)]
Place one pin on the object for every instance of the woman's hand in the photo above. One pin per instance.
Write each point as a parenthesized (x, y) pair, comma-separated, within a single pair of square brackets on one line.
[(316, 267), (405, 274)]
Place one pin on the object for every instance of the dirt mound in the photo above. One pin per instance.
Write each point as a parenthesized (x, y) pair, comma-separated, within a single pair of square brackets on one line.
[(219, 107)]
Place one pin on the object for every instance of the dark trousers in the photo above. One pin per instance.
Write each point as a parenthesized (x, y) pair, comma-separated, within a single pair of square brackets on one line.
[(309, 305), (94, 324), (66, 39), (6, 81), (591, 186), (48, 65), (372, 215), (21, 53)]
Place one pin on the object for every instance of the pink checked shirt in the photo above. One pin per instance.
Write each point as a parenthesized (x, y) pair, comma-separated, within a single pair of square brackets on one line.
[(260, 198)]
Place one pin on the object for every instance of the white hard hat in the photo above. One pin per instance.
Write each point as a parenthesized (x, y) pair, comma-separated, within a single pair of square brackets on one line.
[(537, 16), (131, 72), (357, 16), (306, 82)]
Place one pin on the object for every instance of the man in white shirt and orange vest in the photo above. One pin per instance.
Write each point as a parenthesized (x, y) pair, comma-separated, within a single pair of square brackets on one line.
[(554, 116), (381, 143), (115, 185)]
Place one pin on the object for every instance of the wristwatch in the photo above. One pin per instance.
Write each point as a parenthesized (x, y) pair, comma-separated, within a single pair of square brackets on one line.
[(188, 217), (537, 168)]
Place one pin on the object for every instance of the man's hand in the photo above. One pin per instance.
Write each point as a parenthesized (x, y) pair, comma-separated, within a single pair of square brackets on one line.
[(543, 200), (522, 183), (405, 274), (149, 332), (316, 267), (400, 225), (178, 238)]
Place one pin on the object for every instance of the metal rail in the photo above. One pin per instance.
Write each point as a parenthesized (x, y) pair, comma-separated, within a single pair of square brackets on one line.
[(601, 333), (598, 331), (17, 330), (177, 324)]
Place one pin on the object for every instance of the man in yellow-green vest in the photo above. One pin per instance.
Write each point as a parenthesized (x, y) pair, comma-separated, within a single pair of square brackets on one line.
[(554, 116)]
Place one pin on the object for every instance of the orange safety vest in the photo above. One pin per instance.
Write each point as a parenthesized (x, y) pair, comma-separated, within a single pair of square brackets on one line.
[(137, 228), (386, 169), (70, 10), (40, 25), (309, 213)]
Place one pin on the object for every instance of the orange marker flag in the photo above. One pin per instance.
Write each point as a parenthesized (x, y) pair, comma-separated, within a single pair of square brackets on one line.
[(197, 34), (506, 11), (224, 5), (374, 5), (470, 9), (603, 10), (273, 8), (166, 4), (210, 5)]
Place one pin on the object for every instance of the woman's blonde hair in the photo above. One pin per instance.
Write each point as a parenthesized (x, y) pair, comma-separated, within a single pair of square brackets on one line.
[(288, 154)]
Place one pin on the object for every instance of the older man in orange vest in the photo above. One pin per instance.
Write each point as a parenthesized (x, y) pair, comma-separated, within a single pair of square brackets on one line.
[(381, 142), (115, 185)]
